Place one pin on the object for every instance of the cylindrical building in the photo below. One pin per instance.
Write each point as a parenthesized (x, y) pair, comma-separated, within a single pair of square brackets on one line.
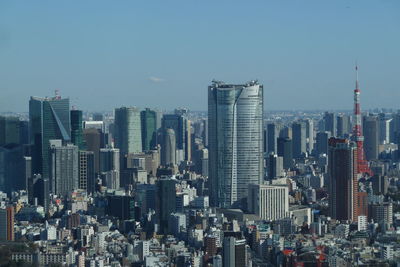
[(235, 127), (168, 149)]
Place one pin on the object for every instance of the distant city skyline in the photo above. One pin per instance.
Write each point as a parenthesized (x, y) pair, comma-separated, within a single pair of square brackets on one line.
[(142, 54)]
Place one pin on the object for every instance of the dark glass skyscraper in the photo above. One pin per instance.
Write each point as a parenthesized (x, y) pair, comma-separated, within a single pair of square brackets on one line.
[(77, 129), (49, 119), (285, 150), (148, 119), (299, 139), (166, 202), (235, 117), (371, 135), (9, 130)]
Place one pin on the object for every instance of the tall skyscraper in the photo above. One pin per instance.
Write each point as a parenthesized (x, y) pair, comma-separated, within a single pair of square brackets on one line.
[(109, 159), (12, 168), (343, 179), (272, 136), (128, 130), (322, 142), (330, 123), (87, 176), (205, 133), (149, 129), (309, 135), (49, 119), (166, 202), (178, 123), (235, 117), (168, 148), (371, 135), (234, 252), (9, 130), (110, 167), (7, 224), (274, 166), (343, 126), (384, 129), (285, 150), (64, 166), (93, 143), (77, 129), (299, 139)]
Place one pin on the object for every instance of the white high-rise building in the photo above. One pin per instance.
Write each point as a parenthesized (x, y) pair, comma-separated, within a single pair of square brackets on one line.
[(268, 201), (235, 130), (362, 223)]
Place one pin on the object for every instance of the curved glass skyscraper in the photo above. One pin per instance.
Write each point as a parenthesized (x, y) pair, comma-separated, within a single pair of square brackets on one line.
[(235, 119)]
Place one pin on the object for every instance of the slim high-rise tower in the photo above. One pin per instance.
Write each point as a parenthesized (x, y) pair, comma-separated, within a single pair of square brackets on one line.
[(235, 117), (343, 179), (362, 164), (77, 129), (128, 130), (49, 118)]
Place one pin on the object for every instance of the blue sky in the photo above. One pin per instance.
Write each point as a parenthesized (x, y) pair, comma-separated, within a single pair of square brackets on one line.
[(104, 54)]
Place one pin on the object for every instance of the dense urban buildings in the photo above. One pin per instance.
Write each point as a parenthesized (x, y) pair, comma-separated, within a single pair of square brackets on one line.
[(234, 186)]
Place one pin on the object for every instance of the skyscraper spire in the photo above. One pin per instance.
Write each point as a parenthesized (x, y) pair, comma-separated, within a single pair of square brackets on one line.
[(362, 164)]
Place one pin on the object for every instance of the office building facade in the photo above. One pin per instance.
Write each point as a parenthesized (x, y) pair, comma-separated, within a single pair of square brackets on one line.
[(268, 201), (235, 118), (128, 130), (49, 119), (343, 179)]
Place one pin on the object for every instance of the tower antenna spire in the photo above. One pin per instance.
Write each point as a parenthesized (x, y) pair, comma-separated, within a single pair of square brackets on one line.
[(357, 87), (362, 163)]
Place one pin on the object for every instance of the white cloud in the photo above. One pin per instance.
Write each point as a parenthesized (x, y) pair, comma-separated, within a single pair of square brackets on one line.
[(156, 79)]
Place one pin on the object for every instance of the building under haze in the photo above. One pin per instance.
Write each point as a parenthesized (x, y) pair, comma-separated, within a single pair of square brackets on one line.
[(235, 125), (179, 123), (49, 119), (285, 150), (343, 179), (168, 148), (299, 140), (77, 129), (371, 137), (9, 130), (148, 119), (64, 168), (128, 132)]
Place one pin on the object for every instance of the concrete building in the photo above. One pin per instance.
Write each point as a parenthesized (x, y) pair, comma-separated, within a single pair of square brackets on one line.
[(269, 202), (64, 166), (87, 174)]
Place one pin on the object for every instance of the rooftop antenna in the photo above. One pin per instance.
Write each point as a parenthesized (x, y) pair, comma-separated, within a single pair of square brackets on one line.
[(57, 94)]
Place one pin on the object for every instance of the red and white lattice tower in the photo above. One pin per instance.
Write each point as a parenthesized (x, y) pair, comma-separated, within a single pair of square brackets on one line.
[(362, 164)]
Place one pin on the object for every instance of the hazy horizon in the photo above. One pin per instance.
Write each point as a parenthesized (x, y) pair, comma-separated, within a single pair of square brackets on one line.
[(108, 54)]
